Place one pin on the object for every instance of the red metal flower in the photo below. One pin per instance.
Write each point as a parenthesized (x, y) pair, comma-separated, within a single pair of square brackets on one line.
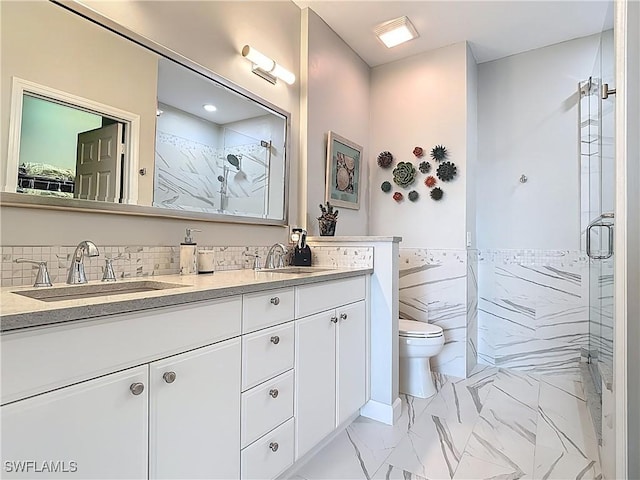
[(397, 196), (418, 152), (430, 181)]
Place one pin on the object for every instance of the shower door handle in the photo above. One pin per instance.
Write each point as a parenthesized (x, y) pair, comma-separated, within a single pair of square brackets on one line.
[(609, 253)]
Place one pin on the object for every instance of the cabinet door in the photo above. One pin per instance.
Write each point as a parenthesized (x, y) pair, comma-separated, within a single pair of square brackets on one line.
[(315, 380), (95, 429), (351, 360), (194, 429)]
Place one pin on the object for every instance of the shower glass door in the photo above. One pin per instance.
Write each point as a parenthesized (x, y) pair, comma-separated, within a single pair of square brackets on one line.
[(597, 212)]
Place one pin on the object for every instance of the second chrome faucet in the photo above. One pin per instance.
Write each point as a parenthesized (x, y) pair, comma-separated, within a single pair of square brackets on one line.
[(76, 273)]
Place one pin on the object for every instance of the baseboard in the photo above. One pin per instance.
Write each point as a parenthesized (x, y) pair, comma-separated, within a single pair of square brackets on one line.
[(382, 412)]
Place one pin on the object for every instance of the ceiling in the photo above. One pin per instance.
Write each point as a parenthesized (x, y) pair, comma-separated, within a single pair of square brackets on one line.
[(494, 29)]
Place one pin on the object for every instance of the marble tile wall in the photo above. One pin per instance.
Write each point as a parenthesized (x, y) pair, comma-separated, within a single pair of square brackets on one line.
[(433, 288), (142, 261), (533, 310), (472, 310)]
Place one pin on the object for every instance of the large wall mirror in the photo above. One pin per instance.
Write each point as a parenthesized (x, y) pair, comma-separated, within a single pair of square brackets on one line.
[(99, 121)]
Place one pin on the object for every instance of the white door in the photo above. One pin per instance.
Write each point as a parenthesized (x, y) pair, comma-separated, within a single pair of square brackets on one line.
[(99, 164), (194, 429), (315, 382), (100, 425), (352, 362)]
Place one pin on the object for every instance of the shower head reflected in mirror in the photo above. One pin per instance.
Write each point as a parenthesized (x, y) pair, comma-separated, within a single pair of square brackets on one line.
[(233, 160), (220, 178)]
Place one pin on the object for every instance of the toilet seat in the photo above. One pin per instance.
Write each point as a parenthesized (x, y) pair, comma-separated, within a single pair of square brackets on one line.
[(413, 329)]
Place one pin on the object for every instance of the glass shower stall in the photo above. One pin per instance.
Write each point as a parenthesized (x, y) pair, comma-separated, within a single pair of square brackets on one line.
[(597, 187)]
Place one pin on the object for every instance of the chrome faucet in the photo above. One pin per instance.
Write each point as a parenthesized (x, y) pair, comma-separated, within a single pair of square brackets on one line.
[(76, 268), (269, 261)]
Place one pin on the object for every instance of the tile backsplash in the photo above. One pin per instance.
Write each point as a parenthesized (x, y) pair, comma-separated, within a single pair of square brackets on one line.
[(141, 261)]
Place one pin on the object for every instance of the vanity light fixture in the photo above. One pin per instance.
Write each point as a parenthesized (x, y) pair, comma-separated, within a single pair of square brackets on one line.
[(396, 31), (267, 68), (209, 108)]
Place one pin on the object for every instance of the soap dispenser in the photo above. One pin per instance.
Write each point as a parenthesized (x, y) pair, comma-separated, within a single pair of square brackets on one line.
[(188, 254)]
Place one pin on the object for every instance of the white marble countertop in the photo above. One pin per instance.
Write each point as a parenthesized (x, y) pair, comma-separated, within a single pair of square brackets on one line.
[(19, 312)]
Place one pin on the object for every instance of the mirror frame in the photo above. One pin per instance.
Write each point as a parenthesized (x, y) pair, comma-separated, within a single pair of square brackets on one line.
[(90, 206)]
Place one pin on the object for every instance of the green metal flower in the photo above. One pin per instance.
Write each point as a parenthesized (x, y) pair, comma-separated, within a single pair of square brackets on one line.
[(386, 187), (404, 174), (413, 196)]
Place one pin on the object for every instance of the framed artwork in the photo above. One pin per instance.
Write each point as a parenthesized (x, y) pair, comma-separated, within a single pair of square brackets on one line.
[(344, 163)]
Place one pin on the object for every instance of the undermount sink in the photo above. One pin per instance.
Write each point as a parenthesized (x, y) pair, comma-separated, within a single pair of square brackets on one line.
[(295, 270), (79, 292)]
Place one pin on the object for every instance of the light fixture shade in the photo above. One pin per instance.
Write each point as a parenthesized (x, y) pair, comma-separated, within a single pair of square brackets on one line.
[(284, 74), (266, 68), (257, 58), (396, 31)]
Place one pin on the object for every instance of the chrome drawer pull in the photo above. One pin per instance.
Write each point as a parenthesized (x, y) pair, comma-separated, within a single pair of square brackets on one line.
[(137, 388), (169, 377), (334, 319), (274, 392), (273, 446), (275, 301), (275, 339), (343, 316)]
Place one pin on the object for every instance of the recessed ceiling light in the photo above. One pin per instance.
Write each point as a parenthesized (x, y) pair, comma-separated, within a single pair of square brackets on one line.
[(396, 31), (209, 108)]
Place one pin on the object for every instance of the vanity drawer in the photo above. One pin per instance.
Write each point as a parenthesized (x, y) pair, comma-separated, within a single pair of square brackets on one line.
[(266, 406), (263, 309), (271, 455), (266, 354), (319, 297)]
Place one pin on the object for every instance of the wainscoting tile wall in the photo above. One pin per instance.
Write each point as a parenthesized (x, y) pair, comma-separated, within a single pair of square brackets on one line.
[(533, 310)]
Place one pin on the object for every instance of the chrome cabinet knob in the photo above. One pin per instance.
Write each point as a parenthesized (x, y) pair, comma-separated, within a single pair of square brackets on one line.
[(334, 319), (275, 339), (137, 388), (273, 446), (275, 301), (169, 377), (343, 316), (274, 392)]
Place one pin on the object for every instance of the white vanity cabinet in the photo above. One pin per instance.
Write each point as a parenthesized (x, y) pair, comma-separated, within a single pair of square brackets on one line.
[(175, 414), (194, 414), (95, 429), (331, 364)]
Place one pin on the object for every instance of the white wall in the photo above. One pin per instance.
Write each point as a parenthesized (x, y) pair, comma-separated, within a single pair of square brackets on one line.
[(212, 34), (335, 97), (527, 124), (421, 101)]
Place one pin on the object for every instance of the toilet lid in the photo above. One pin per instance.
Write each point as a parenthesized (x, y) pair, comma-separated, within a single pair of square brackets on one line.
[(418, 329)]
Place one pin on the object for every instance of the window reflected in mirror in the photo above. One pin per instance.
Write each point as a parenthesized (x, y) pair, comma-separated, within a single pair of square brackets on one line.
[(68, 152)]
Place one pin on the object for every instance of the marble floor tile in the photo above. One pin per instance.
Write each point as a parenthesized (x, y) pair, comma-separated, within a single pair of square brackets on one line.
[(472, 468), (505, 433), (552, 464), (432, 448), (522, 387), (461, 400), (497, 424), (339, 460), (564, 423), (389, 472)]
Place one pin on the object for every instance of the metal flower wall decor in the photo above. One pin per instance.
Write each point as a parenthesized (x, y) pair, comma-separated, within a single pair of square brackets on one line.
[(405, 173)]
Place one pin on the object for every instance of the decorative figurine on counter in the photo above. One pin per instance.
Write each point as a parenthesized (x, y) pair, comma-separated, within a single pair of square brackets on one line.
[(327, 221)]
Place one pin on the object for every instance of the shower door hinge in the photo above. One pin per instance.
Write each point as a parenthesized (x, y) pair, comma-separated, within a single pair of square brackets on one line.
[(605, 92)]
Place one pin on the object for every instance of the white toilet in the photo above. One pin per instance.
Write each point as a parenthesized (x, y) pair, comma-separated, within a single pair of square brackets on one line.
[(419, 341)]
